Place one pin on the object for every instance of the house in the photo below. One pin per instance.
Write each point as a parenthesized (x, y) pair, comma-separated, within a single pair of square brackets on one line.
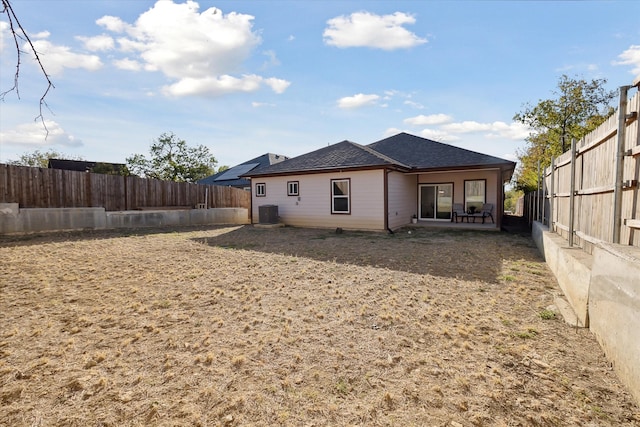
[(85, 166), (231, 177), (379, 186)]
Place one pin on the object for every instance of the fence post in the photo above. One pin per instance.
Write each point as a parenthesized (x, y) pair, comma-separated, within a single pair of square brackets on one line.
[(572, 190), (544, 195), (536, 201), (551, 192), (617, 192)]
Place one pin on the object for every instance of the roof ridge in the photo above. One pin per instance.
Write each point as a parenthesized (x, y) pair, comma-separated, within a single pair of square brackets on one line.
[(380, 155)]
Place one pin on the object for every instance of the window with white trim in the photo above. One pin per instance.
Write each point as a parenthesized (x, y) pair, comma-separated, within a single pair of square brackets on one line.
[(261, 189), (293, 188), (475, 193), (340, 196)]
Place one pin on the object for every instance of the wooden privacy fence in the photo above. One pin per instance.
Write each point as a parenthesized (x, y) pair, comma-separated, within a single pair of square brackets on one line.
[(56, 188), (589, 194)]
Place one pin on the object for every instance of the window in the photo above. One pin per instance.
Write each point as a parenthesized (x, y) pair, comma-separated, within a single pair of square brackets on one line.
[(292, 188), (261, 190), (474, 194), (340, 201)]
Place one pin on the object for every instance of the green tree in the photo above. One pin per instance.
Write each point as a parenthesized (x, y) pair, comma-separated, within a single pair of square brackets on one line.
[(110, 169), (40, 159), (579, 107), (511, 199), (171, 159)]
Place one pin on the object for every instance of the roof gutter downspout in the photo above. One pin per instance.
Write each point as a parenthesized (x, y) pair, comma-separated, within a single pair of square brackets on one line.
[(386, 200)]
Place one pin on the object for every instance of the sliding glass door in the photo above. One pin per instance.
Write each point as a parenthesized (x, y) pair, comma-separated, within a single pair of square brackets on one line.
[(435, 201)]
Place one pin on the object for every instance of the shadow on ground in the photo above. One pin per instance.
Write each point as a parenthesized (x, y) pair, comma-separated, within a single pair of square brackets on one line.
[(462, 254)]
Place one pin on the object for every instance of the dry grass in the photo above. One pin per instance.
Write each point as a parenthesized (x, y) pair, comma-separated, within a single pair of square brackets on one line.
[(243, 326)]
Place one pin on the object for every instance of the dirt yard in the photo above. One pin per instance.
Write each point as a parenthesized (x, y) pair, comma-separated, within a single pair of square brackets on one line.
[(234, 326)]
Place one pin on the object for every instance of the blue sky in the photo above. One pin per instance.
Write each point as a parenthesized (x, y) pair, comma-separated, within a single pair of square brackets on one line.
[(249, 77)]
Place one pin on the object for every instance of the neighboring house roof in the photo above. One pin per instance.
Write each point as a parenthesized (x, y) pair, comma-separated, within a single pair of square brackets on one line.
[(403, 151), (232, 176), (81, 165)]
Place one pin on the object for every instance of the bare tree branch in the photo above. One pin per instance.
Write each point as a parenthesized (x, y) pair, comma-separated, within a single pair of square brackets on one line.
[(18, 32)]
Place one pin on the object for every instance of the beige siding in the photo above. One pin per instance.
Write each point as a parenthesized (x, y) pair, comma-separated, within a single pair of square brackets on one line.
[(312, 207), (403, 191)]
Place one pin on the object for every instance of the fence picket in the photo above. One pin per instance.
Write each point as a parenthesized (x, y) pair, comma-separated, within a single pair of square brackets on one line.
[(595, 177), (54, 188)]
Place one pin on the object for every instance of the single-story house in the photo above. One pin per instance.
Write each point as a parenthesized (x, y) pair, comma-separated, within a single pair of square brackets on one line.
[(379, 186), (231, 177)]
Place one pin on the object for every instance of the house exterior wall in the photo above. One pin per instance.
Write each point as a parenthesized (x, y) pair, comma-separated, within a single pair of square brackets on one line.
[(459, 177), (402, 195), (312, 207)]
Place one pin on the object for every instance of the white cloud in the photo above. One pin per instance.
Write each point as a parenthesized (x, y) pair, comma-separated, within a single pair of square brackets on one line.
[(433, 119), (41, 35), (510, 156), (4, 32), (514, 131), (127, 64), (200, 52), (272, 59), (35, 135), (256, 104), (438, 135), (277, 85), (357, 101), (221, 85), (631, 57), (364, 29), (97, 43), (414, 104), (56, 58)]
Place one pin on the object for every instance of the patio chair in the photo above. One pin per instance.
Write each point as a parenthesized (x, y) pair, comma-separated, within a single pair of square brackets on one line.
[(458, 212), (487, 212)]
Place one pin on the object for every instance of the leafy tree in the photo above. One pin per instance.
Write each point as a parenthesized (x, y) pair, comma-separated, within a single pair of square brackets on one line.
[(578, 108), (173, 160), (511, 199), (110, 169), (40, 159)]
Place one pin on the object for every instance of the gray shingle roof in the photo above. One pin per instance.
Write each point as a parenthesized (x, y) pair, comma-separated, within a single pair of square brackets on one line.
[(343, 155), (402, 151), (422, 153)]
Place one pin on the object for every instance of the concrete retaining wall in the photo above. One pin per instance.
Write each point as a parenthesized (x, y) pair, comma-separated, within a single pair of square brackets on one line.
[(571, 266), (614, 309), (611, 307), (16, 220)]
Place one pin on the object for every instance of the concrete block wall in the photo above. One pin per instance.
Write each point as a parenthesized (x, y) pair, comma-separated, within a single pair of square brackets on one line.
[(16, 220), (571, 266), (614, 309), (604, 290)]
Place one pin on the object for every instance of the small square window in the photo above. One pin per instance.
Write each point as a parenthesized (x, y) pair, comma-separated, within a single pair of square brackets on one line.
[(292, 188), (261, 190)]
